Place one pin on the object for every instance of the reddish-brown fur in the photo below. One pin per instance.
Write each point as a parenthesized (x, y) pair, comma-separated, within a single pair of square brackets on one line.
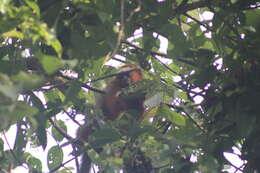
[(113, 105)]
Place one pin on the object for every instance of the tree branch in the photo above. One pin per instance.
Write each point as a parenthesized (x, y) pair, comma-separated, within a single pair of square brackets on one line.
[(83, 84), (72, 118), (92, 88), (165, 66)]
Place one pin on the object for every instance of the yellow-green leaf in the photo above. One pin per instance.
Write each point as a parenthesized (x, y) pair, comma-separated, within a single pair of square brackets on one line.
[(50, 64), (13, 33), (177, 119)]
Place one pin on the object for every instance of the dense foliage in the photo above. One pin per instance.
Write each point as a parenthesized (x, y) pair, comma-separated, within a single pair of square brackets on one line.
[(202, 94)]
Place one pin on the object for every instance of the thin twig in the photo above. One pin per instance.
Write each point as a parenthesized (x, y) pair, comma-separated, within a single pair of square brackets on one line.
[(110, 75), (119, 60), (83, 84), (73, 119), (165, 66), (177, 59), (92, 88)]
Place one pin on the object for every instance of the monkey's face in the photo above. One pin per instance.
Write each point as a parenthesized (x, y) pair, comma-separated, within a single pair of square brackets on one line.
[(129, 74), (124, 79)]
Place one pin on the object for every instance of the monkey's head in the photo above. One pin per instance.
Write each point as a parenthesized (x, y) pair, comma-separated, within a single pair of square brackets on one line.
[(129, 74)]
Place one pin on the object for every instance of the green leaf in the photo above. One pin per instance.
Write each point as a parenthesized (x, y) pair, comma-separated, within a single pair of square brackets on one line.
[(172, 116), (54, 157), (252, 18), (176, 36), (56, 134), (22, 109), (104, 16), (48, 35), (245, 123), (183, 96), (56, 46), (15, 111), (208, 164), (115, 160), (7, 25), (54, 96), (50, 64), (177, 119), (104, 136), (95, 157), (148, 40), (1, 145), (34, 163), (73, 90), (41, 132), (195, 14), (27, 81), (37, 102), (7, 87), (83, 1), (106, 6), (42, 136), (33, 6), (4, 5), (13, 33)]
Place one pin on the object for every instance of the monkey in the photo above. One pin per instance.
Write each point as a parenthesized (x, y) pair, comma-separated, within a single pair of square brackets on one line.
[(112, 105)]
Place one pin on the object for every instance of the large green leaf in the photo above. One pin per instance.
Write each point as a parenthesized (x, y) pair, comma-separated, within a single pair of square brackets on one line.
[(55, 157), (50, 64), (33, 163), (104, 136)]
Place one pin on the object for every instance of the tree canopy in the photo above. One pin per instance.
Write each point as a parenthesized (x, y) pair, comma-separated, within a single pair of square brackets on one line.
[(202, 93)]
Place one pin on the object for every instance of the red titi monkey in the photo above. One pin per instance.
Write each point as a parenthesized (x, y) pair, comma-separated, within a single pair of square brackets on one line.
[(113, 105)]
